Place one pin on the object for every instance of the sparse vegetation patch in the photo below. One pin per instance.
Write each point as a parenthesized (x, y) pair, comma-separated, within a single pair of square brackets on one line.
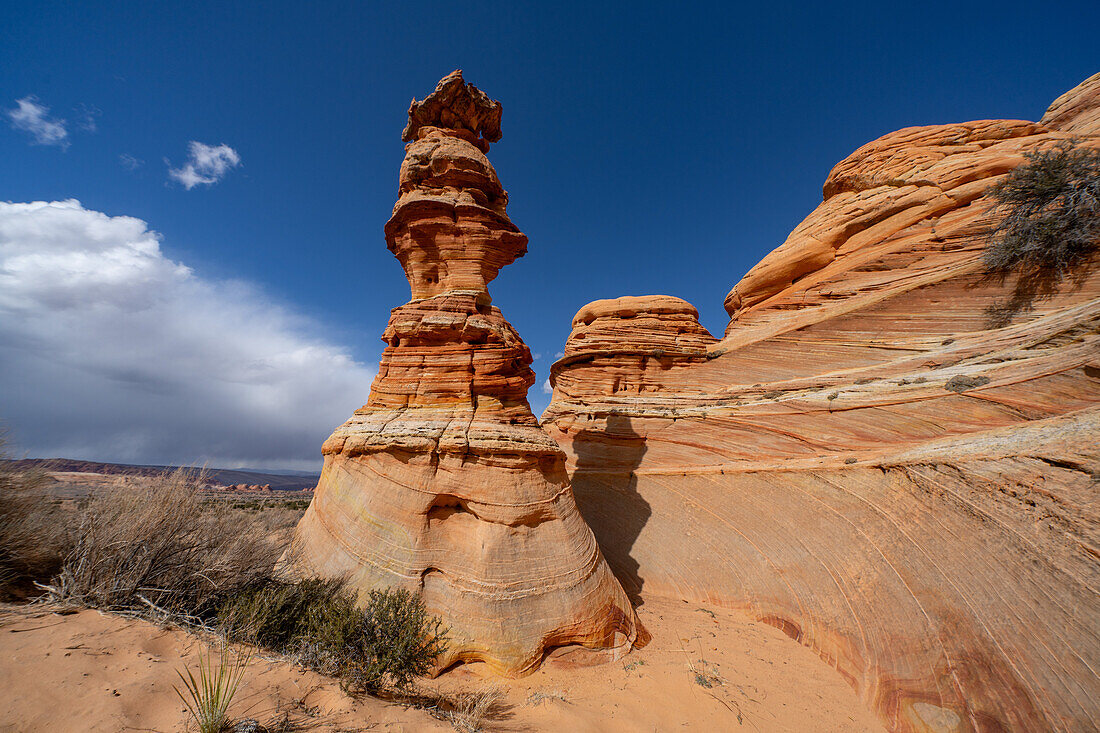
[(158, 547), (962, 383), (1049, 223), (157, 544), (1050, 210), (34, 536), (385, 645)]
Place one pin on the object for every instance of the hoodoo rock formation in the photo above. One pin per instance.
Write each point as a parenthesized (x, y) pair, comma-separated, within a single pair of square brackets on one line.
[(883, 456), (444, 483)]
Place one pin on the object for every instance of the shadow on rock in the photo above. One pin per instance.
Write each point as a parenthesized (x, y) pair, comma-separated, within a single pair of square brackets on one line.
[(605, 485)]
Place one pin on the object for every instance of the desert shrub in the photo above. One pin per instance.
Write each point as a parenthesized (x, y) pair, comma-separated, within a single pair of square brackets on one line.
[(962, 383), (35, 534), (155, 542), (384, 645), (313, 618), (1049, 209), (397, 642)]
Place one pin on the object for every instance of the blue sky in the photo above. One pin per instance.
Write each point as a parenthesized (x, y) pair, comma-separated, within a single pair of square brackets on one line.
[(648, 148)]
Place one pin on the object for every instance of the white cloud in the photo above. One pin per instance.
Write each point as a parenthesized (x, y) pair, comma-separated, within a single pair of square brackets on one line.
[(33, 118), (109, 350), (86, 116), (208, 164), (546, 388), (559, 355), (129, 162)]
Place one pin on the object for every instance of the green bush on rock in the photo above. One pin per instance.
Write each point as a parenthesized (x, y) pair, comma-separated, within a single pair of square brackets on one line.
[(1050, 210)]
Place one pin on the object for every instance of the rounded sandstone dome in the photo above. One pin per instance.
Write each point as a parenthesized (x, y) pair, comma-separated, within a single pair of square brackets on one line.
[(629, 306)]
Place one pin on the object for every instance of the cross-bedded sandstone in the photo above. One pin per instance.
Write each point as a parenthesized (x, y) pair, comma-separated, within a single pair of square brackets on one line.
[(444, 483), (871, 459)]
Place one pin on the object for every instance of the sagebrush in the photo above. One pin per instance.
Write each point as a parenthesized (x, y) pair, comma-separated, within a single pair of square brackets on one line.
[(384, 645), (290, 617), (397, 642)]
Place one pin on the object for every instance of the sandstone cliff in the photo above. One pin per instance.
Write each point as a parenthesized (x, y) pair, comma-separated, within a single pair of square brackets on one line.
[(887, 455), (444, 483)]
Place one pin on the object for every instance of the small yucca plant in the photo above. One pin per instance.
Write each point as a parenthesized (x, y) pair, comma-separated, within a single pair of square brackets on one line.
[(208, 697)]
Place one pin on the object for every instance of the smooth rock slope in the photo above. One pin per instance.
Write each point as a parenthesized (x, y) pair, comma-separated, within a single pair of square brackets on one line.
[(444, 483), (889, 455)]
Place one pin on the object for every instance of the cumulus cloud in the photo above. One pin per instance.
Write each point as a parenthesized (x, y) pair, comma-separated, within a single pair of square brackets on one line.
[(34, 118), (546, 388), (109, 350), (207, 164)]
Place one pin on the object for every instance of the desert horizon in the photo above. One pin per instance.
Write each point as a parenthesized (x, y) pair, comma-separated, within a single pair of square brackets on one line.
[(853, 489)]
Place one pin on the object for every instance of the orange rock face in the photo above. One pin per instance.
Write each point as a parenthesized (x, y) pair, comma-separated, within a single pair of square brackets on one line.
[(627, 345), (880, 457), (444, 483)]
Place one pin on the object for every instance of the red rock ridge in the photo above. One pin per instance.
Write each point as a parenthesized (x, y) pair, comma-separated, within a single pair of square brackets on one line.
[(869, 459)]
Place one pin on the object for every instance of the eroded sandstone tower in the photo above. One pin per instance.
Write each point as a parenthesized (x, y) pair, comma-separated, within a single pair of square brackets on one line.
[(443, 482)]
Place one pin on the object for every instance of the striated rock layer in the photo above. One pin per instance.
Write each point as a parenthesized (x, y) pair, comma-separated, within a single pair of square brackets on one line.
[(444, 483), (889, 456)]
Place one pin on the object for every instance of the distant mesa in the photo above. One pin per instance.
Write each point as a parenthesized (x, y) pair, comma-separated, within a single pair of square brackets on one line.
[(215, 478), (265, 488)]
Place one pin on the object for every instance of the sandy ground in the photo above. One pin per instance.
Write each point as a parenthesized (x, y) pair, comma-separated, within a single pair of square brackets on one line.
[(95, 672)]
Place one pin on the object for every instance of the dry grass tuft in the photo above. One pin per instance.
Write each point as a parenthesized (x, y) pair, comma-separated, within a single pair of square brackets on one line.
[(155, 543), (468, 711), (35, 534)]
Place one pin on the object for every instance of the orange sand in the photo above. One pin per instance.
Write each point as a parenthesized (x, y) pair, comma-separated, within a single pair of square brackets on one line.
[(95, 672)]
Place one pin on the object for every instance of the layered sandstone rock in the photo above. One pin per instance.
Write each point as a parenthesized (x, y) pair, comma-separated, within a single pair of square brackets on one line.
[(444, 483), (888, 455), (628, 344)]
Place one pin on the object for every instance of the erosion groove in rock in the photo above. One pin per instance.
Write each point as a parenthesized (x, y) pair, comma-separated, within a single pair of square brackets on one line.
[(444, 483), (881, 457)]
